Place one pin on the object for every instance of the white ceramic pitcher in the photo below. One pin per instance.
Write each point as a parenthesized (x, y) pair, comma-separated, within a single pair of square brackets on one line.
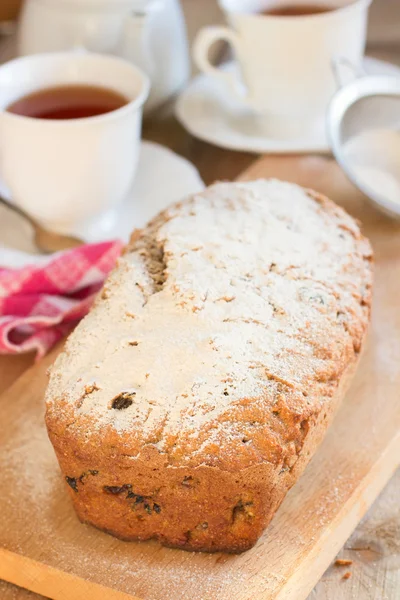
[(149, 33)]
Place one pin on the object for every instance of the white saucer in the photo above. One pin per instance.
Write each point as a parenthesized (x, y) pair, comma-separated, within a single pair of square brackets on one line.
[(162, 177), (210, 112)]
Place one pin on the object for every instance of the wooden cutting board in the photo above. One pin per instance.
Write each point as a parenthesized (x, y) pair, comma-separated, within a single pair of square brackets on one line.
[(44, 548)]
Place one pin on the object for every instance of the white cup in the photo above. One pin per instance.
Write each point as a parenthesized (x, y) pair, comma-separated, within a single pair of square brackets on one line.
[(285, 61), (66, 174)]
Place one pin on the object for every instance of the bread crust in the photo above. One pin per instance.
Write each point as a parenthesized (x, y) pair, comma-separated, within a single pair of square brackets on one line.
[(218, 488)]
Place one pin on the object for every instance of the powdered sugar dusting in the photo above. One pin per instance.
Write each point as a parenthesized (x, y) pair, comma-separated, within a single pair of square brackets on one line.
[(263, 284)]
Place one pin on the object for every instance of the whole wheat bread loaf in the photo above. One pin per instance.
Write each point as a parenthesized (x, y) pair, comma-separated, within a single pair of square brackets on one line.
[(190, 399)]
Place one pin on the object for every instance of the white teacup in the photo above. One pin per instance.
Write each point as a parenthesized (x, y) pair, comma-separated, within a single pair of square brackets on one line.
[(65, 173), (286, 61)]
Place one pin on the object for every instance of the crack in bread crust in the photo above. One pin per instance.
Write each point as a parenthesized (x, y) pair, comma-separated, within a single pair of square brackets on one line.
[(152, 252)]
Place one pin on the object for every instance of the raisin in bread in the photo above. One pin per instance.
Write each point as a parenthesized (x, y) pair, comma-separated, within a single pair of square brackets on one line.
[(190, 399)]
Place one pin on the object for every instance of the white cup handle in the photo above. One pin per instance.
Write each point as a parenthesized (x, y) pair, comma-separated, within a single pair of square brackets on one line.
[(202, 44)]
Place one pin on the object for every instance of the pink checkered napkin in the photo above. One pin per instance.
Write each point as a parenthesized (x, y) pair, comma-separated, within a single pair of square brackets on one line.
[(41, 304)]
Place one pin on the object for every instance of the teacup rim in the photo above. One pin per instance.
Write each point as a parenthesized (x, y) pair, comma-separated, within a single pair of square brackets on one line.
[(134, 104), (339, 10)]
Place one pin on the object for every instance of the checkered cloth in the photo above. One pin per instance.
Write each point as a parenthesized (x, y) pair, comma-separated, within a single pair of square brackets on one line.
[(41, 304)]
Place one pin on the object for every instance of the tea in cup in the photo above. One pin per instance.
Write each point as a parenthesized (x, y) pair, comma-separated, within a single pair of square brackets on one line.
[(70, 127)]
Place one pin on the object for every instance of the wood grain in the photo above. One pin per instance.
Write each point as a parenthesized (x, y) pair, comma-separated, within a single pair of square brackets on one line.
[(358, 456), (8, 591), (9, 9), (374, 549), (11, 367)]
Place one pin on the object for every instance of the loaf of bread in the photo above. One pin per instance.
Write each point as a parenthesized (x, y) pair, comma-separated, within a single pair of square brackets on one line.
[(190, 399)]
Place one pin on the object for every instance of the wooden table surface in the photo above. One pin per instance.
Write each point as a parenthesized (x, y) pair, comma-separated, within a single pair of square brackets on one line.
[(374, 548)]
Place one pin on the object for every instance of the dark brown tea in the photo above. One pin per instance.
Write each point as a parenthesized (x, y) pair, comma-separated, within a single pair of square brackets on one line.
[(297, 10), (68, 102)]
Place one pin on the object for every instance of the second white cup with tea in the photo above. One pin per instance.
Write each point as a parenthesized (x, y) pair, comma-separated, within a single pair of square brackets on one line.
[(285, 56), (68, 173)]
